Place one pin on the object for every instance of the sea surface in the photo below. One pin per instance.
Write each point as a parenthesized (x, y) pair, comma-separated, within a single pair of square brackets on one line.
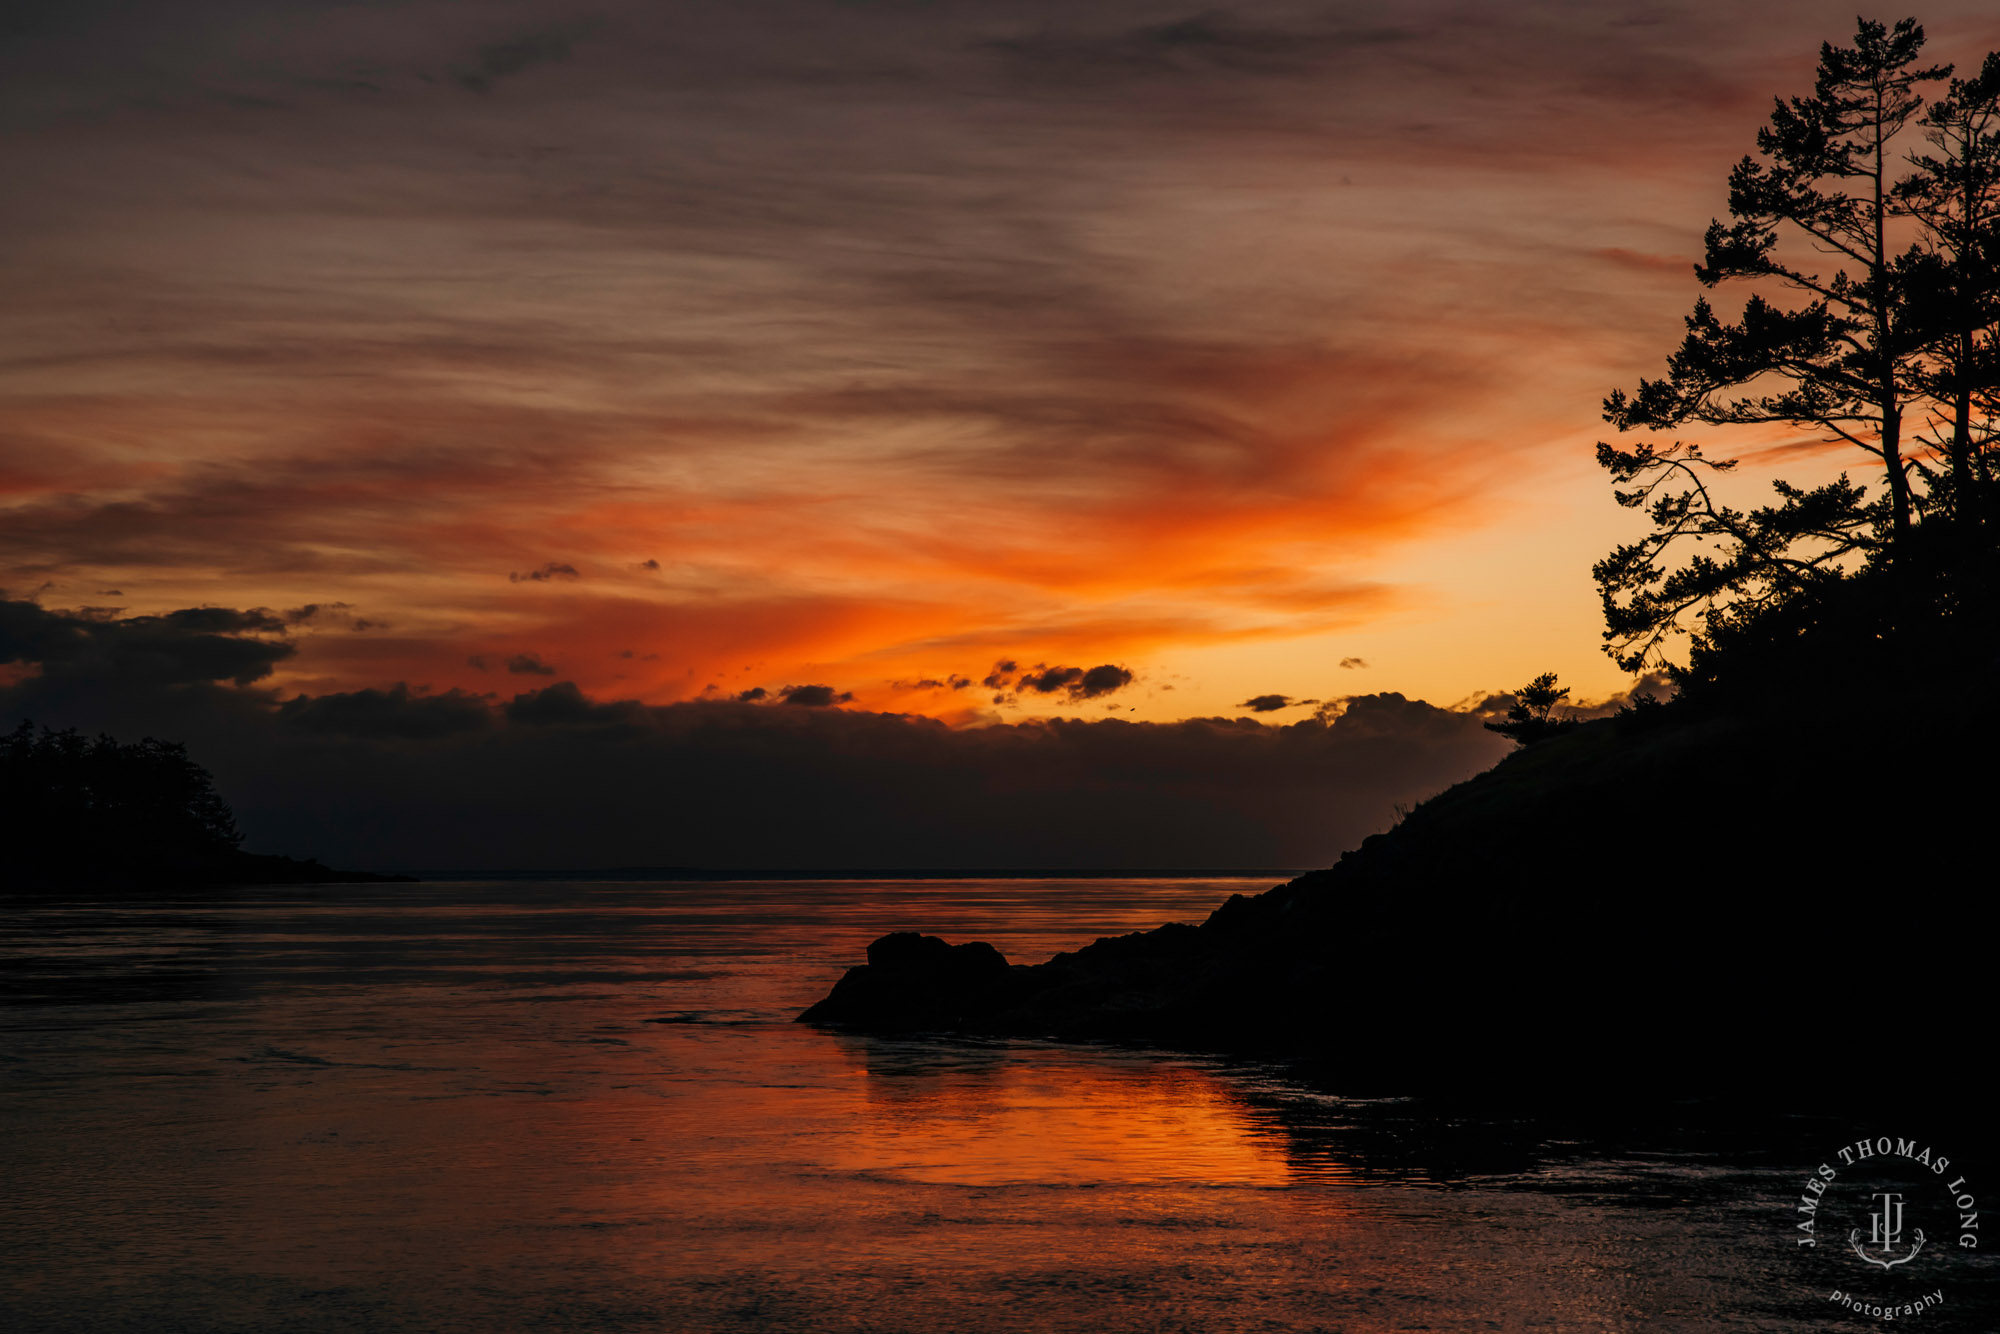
[(540, 1105)]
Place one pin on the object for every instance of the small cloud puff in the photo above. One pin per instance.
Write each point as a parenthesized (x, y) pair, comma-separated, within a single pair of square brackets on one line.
[(519, 664), (544, 574), (813, 697), (953, 682), (1076, 683), (301, 615)]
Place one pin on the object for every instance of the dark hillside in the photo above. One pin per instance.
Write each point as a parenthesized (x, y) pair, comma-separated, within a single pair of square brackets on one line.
[(1665, 892)]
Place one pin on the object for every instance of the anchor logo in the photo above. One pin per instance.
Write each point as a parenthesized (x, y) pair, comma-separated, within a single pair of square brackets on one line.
[(1885, 1229)]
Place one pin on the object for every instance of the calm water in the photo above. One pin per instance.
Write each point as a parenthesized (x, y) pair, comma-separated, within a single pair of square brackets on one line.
[(543, 1106)]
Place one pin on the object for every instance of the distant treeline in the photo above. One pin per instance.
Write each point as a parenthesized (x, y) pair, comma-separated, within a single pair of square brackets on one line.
[(97, 801), (84, 811)]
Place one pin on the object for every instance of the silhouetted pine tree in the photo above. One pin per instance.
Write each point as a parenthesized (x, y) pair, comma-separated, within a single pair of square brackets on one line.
[(1955, 192), (1891, 348), (1530, 718)]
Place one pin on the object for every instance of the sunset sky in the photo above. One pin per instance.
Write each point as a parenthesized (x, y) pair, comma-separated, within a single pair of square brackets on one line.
[(682, 350)]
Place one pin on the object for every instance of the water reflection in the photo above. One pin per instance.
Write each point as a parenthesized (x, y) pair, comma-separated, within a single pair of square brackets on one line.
[(987, 1116), (480, 1108)]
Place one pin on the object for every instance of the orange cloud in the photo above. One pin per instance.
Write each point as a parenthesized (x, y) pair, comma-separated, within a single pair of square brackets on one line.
[(1140, 349)]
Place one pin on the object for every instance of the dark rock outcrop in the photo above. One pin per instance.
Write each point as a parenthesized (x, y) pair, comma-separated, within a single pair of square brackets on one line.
[(913, 981)]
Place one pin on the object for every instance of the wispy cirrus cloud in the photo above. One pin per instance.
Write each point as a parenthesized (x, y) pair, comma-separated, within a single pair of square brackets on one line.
[(858, 347)]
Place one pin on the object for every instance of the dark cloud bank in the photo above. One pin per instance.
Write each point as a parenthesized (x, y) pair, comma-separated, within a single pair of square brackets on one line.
[(402, 777)]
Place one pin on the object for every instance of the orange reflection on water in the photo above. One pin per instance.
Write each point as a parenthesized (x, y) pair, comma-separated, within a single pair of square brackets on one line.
[(946, 1116)]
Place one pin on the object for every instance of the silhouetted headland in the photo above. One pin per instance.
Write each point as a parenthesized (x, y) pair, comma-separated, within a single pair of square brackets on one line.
[(108, 816), (1777, 874), (1636, 890)]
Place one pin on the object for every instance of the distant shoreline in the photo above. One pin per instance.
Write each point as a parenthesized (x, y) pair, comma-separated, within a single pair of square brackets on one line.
[(678, 873), (248, 870)]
